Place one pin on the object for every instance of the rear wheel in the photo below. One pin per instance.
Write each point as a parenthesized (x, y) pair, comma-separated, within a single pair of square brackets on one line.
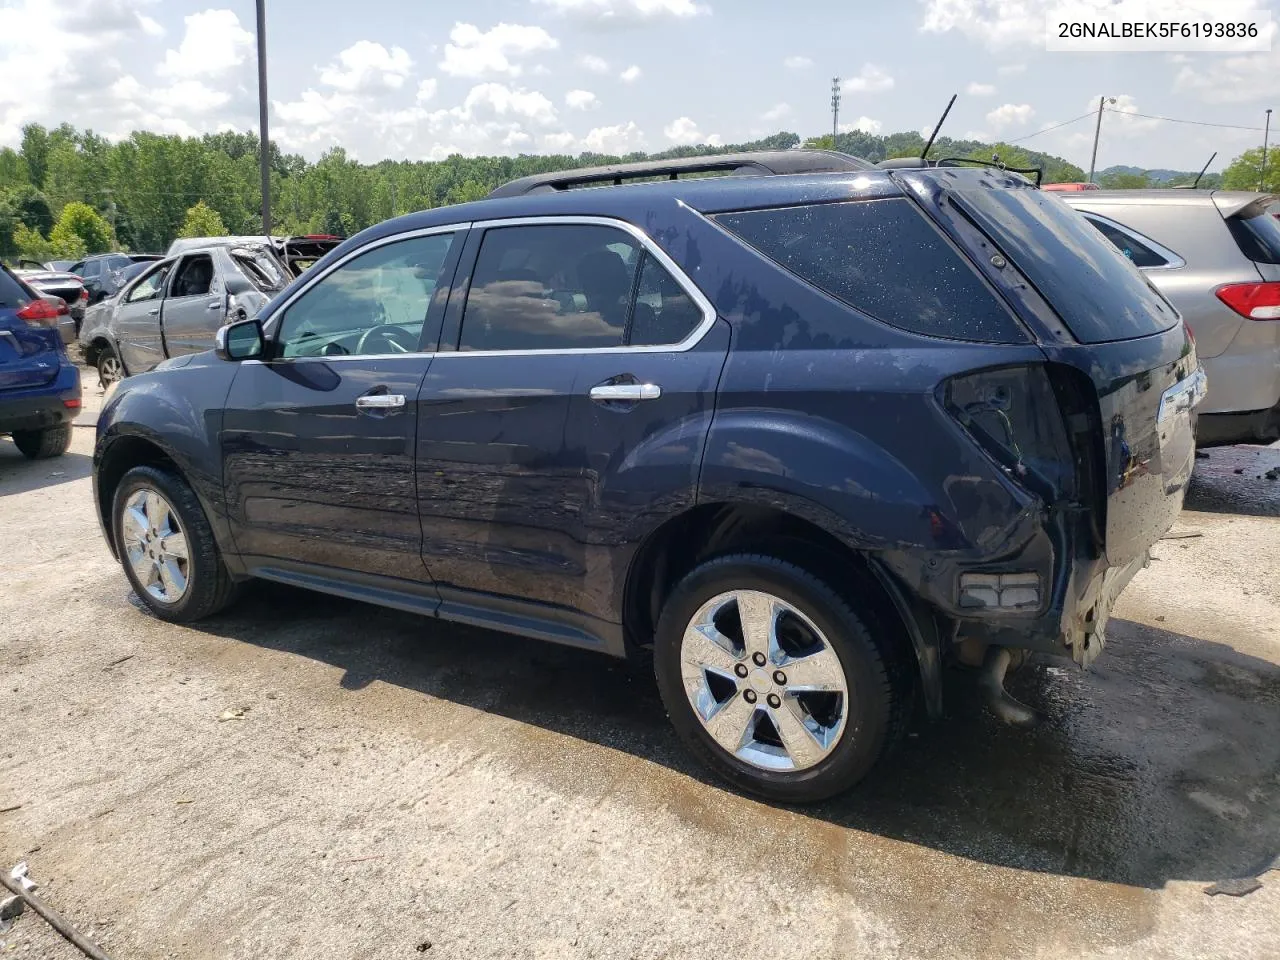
[(110, 369), (167, 546), (43, 444), (774, 681)]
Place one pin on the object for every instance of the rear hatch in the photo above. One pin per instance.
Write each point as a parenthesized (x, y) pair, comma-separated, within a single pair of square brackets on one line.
[(1101, 324), (28, 351), (1251, 219)]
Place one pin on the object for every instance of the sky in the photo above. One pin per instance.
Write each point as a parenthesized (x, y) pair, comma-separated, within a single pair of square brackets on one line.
[(421, 80)]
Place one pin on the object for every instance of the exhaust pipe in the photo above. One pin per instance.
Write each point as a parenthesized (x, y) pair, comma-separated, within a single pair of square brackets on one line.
[(999, 701)]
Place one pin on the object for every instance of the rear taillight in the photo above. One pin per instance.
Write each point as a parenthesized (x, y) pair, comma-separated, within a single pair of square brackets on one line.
[(1013, 414), (1256, 301), (84, 295), (43, 313)]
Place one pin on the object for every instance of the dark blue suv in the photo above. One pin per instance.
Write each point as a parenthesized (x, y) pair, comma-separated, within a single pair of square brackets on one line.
[(805, 438), (39, 385)]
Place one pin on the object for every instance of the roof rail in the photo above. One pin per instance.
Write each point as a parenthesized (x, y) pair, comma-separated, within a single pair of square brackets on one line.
[(759, 164)]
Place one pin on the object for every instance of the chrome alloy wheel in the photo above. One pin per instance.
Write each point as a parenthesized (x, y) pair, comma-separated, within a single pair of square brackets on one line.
[(155, 546), (764, 681), (110, 370)]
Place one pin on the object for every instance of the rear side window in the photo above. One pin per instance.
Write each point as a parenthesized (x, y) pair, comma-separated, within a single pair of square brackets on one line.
[(12, 293), (1258, 236), (885, 259), (1099, 293), (1133, 248), (552, 287)]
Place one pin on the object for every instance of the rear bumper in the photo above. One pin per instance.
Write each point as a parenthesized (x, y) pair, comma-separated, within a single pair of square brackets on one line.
[(1244, 379), (41, 407)]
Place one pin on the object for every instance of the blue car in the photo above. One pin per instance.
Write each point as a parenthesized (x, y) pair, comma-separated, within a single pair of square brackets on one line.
[(39, 385), (803, 433)]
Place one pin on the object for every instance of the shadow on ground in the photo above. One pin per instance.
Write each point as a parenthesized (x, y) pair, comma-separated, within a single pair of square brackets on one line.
[(20, 475), (1162, 763), (1241, 480)]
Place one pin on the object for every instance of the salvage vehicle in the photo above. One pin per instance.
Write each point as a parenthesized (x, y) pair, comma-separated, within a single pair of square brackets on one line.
[(296, 253), (101, 273), (1215, 254), (58, 283), (176, 306), (801, 437), (39, 385)]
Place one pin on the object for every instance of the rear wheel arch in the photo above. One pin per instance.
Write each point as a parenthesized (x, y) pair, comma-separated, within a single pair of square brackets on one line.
[(710, 530)]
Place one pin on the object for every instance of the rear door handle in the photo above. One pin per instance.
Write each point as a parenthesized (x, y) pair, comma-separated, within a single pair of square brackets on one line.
[(380, 401), (626, 391)]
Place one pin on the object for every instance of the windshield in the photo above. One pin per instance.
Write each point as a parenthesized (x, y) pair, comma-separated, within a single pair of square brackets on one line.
[(1098, 292)]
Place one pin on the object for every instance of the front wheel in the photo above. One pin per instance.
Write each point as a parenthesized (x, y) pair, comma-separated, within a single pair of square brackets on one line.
[(167, 546), (774, 681)]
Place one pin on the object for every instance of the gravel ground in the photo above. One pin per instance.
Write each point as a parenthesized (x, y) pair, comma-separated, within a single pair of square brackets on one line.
[(398, 787)]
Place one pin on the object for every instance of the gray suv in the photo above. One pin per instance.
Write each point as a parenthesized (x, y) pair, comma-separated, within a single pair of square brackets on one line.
[(1215, 255)]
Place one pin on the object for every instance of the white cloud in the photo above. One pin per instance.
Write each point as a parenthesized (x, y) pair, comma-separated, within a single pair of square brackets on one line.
[(975, 135), (149, 26), (870, 79), (427, 90), (684, 132), (619, 139), (581, 100), (1246, 78), (562, 142), (1011, 115), (863, 125), (367, 67), (1011, 69), (797, 63), (475, 53), (619, 12), (1126, 124), (776, 112), (630, 75), (976, 89), (498, 100), (213, 43), (593, 63)]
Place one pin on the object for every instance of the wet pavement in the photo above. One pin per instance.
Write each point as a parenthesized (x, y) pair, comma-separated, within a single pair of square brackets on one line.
[(395, 782)]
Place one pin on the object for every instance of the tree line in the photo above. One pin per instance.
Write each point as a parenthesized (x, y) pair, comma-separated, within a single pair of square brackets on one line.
[(65, 192)]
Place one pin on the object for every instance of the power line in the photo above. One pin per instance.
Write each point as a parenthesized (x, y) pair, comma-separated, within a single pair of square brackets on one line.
[(1197, 123), (1083, 116)]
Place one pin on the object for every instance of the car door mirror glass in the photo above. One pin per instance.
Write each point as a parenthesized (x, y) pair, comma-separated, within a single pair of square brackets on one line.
[(239, 341)]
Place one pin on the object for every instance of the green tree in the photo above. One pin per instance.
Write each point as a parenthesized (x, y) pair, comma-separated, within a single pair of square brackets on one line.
[(81, 222), (33, 245), (35, 151), (202, 221), (1244, 172), (8, 223), (1125, 181), (33, 208)]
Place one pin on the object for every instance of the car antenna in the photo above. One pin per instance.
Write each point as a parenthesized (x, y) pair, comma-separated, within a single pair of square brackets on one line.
[(941, 120), (1202, 170)]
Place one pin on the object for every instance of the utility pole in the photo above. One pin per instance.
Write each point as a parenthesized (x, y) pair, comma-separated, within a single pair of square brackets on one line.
[(265, 140), (835, 110), (1097, 130), (1262, 174)]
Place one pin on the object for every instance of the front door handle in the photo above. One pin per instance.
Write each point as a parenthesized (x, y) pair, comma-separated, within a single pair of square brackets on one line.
[(215, 305), (626, 391), (154, 313), (380, 401)]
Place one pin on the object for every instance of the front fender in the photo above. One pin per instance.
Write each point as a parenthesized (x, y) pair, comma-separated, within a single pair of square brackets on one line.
[(177, 413)]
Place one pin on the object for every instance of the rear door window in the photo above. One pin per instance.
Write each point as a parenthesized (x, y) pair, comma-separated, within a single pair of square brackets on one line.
[(1099, 293), (883, 258)]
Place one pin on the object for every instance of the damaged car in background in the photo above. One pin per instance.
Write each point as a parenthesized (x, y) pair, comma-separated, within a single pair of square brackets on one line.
[(174, 307)]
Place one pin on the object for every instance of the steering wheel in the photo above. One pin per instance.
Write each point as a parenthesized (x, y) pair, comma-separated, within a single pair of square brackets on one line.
[(396, 339)]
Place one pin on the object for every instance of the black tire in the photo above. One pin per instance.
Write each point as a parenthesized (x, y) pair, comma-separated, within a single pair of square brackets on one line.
[(880, 690), (43, 444), (209, 586), (110, 367)]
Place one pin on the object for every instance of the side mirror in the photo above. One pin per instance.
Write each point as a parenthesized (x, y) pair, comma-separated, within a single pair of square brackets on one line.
[(239, 341)]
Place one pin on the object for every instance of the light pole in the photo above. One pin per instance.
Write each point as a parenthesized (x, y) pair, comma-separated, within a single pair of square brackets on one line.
[(264, 148), (835, 110), (1097, 130), (1262, 174)]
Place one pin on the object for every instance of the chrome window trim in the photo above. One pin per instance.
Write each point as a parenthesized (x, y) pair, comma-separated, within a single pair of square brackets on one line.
[(1173, 261), (650, 247), (272, 323)]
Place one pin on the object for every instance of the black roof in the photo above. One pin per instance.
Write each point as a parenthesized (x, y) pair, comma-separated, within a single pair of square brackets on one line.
[(760, 163)]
